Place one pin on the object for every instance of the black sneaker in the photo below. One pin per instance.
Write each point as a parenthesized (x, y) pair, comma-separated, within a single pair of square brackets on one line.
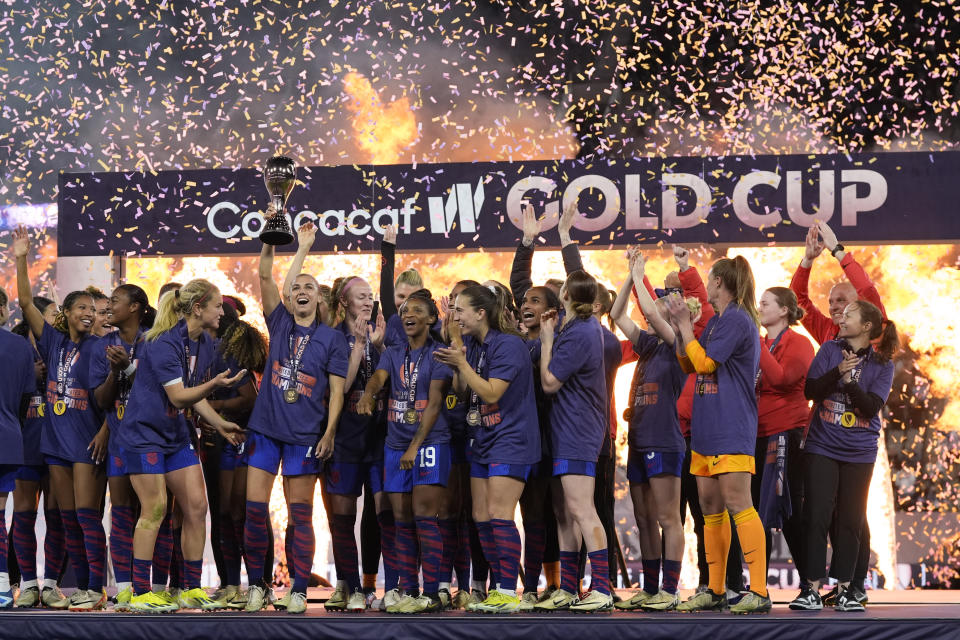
[(830, 598), (858, 593), (436, 604), (808, 600), (846, 601)]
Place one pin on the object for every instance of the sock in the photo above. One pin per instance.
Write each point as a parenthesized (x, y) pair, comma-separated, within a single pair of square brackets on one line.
[(600, 571), (388, 545), (25, 544), (406, 549), (671, 575), (191, 574), (651, 575), (345, 549), (288, 551), (4, 576), (176, 559), (535, 539), (716, 545), (431, 552), (255, 540), (448, 532), (304, 544), (551, 571), (162, 554), (568, 571), (121, 542), (461, 560), (753, 543), (141, 576), (507, 539), (369, 581), (95, 545), (73, 540), (478, 558), (490, 551), (369, 542), (230, 548), (238, 526), (53, 547)]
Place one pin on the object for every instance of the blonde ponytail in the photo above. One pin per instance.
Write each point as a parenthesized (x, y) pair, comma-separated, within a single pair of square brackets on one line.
[(175, 304)]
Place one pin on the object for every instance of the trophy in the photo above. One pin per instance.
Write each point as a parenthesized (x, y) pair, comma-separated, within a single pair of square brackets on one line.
[(279, 175)]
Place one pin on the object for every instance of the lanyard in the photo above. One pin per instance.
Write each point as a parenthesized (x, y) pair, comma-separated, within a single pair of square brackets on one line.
[(474, 398), (295, 359), (773, 345), (410, 377), (367, 371), (123, 382), (64, 365), (189, 365)]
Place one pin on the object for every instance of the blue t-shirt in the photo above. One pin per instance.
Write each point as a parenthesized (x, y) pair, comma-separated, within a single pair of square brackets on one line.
[(151, 423), (832, 435), (72, 415), (100, 369), (612, 357), (725, 402), (578, 417), (18, 381), (659, 379), (324, 354), (223, 363), (36, 422), (544, 401), (509, 432), (393, 360), (455, 408), (360, 438)]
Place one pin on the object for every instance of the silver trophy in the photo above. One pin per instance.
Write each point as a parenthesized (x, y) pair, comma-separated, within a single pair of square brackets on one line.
[(279, 175)]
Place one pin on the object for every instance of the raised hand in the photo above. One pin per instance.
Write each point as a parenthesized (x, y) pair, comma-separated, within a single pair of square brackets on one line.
[(814, 245), (548, 323), (531, 224), (306, 234), (827, 235), (682, 256), (678, 310), (378, 332), (390, 234), (21, 242), (566, 222), (638, 267)]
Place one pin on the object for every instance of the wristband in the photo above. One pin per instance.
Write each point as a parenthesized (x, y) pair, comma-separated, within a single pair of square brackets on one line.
[(130, 370), (837, 248)]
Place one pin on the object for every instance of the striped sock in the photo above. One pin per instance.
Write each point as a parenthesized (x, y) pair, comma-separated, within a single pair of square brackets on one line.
[(304, 544), (461, 561), (255, 540), (431, 552), (230, 548), (600, 571), (25, 543), (671, 575), (651, 575), (141, 576), (388, 546), (95, 545), (53, 545), (407, 556), (121, 541), (288, 551), (507, 539), (191, 574), (344, 544), (448, 531), (535, 540), (163, 552), (73, 539), (569, 563), (489, 544), (176, 559), (753, 543)]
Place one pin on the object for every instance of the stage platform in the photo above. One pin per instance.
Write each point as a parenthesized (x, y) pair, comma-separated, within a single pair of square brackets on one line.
[(902, 615)]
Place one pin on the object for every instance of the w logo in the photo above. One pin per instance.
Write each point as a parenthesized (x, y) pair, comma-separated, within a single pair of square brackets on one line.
[(462, 201)]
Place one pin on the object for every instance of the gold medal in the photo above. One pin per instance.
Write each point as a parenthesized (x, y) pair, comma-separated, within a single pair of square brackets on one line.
[(121, 409), (290, 396), (410, 416), (473, 418), (848, 419), (628, 414), (41, 409), (59, 407)]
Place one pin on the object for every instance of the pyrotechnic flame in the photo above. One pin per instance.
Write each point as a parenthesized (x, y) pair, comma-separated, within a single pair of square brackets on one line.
[(381, 130)]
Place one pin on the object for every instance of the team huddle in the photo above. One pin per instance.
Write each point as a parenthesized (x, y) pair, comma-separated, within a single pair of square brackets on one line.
[(445, 414)]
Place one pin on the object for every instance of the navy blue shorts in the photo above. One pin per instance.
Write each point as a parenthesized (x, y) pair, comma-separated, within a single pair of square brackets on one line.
[(57, 461), (518, 471), (643, 465), (267, 454), (8, 479), (431, 466), (348, 478), (157, 462), (32, 472), (116, 462), (565, 466)]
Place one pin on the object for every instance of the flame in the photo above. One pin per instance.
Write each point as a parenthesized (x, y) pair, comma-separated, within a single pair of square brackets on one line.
[(381, 129)]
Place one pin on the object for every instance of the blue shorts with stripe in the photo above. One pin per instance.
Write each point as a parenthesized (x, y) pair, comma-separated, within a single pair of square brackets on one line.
[(348, 478), (494, 469), (267, 454), (431, 466), (156, 462), (643, 465), (566, 466)]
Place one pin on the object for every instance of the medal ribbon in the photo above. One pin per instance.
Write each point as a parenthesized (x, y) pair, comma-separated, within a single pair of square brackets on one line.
[(63, 369), (410, 377), (294, 361), (474, 398), (773, 345), (123, 383)]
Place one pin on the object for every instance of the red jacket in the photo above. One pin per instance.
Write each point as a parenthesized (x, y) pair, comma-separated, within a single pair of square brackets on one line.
[(819, 326), (781, 405)]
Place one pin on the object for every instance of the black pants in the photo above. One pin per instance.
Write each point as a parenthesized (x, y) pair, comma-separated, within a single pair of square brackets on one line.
[(833, 485), (211, 444)]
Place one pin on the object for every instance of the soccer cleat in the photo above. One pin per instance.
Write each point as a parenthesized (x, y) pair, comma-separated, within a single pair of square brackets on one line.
[(6, 599), (297, 602), (706, 601), (357, 602), (594, 602), (369, 598), (752, 602), (90, 600), (808, 600), (123, 600), (661, 601), (151, 602), (410, 604), (559, 601), (338, 599), (476, 597), (256, 599), (53, 598), (435, 605), (29, 597), (634, 603), (498, 602), (846, 601), (460, 600), (226, 594), (281, 604), (391, 597), (528, 601), (198, 599), (445, 598), (830, 597), (547, 593), (239, 601)]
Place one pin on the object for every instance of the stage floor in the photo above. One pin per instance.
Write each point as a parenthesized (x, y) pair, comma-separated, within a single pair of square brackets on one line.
[(902, 615)]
